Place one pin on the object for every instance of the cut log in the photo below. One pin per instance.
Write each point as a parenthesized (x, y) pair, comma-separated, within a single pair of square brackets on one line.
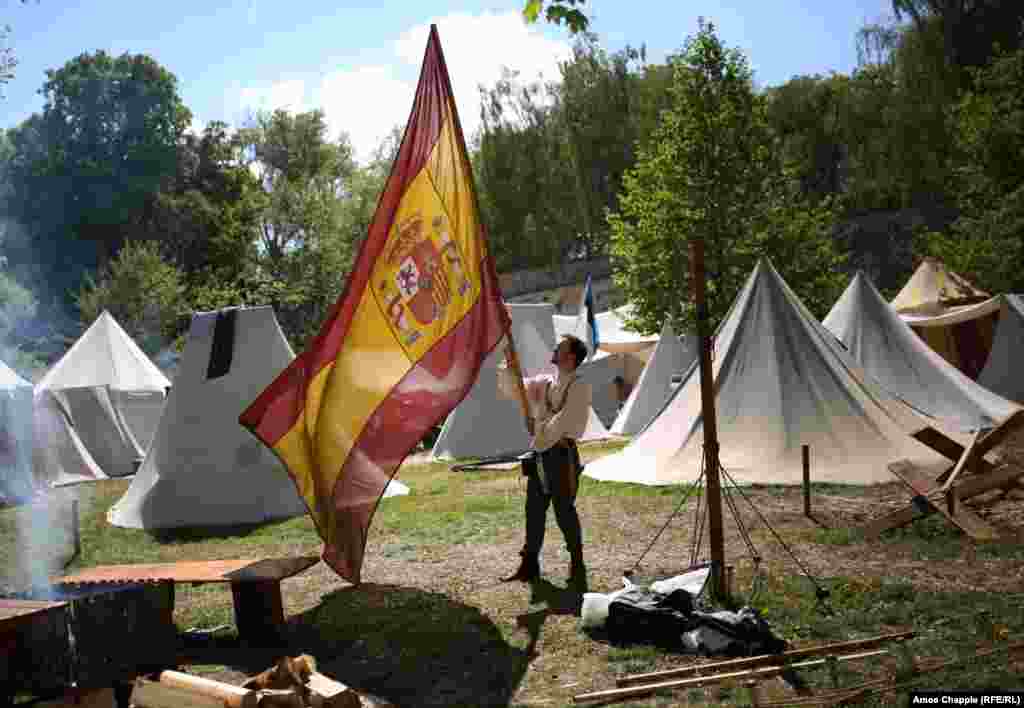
[(325, 692), (225, 693), (153, 694)]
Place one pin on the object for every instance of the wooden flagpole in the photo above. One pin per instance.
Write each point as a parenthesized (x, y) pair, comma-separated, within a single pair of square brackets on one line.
[(707, 405), (513, 362)]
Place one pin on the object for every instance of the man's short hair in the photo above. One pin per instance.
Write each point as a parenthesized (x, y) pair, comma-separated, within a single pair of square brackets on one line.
[(577, 347)]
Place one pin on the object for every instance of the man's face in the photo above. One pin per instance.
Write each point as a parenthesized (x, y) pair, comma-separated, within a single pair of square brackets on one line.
[(562, 355)]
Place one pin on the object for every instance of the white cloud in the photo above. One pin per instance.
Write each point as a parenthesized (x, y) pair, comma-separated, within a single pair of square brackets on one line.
[(366, 101)]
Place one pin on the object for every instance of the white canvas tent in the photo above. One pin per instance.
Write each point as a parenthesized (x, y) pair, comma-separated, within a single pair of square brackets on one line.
[(615, 337), (204, 468), (887, 349), (620, 352), (671, 357), (781, 381), (1003, 372), (486, 423), (16, 477), (600, 371), (97, 407)]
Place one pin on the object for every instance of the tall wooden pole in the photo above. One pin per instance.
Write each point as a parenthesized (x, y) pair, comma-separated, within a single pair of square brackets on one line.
[(710, 424)]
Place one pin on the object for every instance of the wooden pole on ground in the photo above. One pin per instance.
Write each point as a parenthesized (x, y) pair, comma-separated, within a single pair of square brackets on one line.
[(716, 538), (806, 455), (227, 694)]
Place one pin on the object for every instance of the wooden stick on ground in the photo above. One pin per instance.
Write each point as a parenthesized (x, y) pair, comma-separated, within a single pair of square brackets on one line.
[(761, 673), (750, 662)]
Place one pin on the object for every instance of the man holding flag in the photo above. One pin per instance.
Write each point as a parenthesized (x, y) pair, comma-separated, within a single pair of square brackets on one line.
[(404, 343), (561, 408)]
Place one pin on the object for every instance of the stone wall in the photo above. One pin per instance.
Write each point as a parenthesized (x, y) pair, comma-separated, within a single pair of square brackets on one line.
[(563, 286)]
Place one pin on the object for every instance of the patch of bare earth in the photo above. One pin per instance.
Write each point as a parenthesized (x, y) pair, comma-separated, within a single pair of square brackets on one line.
[(485, 642)]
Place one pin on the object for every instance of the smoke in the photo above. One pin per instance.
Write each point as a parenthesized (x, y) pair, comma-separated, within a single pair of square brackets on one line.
[(45, 538)]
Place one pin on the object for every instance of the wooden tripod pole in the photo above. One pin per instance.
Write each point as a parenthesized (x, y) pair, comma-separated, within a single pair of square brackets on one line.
[(707, 405), (517, 370)]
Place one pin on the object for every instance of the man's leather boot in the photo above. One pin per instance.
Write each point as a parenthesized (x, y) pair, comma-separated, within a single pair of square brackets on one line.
[(578, 573), (529, 569)]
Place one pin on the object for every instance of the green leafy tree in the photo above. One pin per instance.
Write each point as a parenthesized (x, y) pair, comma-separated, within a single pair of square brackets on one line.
[(807, 114), (710, 172), (986, 244), (971, 30), (558, 12), (595, 100), (112, 126), (7, 59), (83, 170), (301, 236), (207, 217), (650, 97), (526, 182), (143, 292)]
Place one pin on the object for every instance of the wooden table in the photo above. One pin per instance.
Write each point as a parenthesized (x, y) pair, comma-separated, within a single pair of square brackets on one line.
[(255, 586)]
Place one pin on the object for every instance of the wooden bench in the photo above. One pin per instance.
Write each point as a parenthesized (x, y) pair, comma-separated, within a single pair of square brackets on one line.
[(255, 586)]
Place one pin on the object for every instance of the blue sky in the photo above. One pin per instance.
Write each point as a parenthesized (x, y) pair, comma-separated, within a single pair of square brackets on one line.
[(359, 62)]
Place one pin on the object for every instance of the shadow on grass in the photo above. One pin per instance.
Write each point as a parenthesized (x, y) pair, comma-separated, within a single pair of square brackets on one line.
[(556, 601), (411, 647), (194, 534)]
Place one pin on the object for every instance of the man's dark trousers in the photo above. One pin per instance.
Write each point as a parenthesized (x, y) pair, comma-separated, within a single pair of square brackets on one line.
[(562, 497)]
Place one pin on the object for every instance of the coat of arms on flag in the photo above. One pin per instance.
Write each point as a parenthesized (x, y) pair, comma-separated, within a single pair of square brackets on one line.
[(415, 276)]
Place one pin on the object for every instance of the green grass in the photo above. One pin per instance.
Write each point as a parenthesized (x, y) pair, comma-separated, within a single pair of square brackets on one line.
[(930, 538), (463, 649), (951, 624)]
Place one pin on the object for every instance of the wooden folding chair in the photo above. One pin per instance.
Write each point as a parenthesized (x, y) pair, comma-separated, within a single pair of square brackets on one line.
[(944, 493)]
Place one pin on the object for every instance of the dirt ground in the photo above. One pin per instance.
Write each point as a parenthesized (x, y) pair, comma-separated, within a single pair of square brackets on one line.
[(543, 656)]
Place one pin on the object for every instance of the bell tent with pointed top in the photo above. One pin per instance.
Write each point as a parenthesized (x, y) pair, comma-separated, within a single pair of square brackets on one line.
[(934, 289), (103, 396), (16, 437), (486, 423), (955, 318), (781, 381), (889, 350), (671, 357), (204, 468)]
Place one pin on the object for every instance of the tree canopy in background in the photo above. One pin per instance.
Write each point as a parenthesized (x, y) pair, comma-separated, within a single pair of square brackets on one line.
[(106, 190), (82, 173), (557, 12), (712, 172)]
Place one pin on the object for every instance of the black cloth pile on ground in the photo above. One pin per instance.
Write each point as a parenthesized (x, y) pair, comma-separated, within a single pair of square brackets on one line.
[(682, 622)]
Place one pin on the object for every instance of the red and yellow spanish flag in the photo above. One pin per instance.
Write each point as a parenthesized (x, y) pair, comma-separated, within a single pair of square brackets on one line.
[(404, 343)]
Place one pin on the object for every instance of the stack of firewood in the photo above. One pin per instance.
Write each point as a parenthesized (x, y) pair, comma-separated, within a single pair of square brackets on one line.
[(291, 683)]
